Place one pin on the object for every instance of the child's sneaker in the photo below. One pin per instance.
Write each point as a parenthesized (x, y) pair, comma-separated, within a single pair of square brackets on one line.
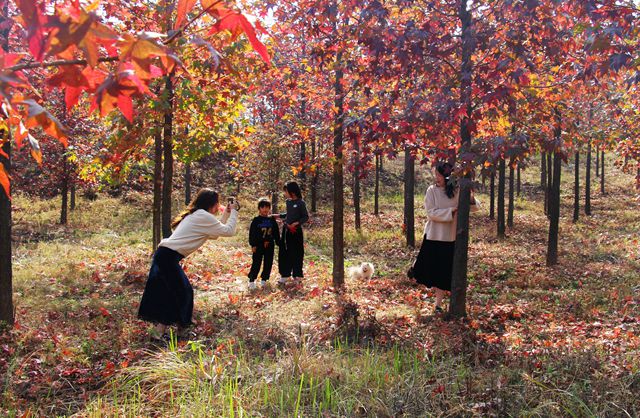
[(264, 284), (252, 286), (283, 281)]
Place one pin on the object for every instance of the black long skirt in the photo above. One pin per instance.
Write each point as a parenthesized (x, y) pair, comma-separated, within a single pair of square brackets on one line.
[(168, 295), (434, 264)]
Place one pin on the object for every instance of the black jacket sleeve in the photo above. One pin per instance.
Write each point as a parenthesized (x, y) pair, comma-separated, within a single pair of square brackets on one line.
[(254, 233), (304, 214), (275, 232)]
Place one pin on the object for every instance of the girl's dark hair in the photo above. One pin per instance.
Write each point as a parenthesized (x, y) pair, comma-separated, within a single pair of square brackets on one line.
[(263, 202), (293, 188), (449, 186), (205, 199)]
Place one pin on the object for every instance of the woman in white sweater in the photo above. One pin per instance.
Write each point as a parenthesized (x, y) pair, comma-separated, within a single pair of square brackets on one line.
[(168, 295), (435, 261)]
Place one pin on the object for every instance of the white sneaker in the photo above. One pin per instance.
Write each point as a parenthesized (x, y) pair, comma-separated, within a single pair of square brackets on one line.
[(263, 284), (252, 285), (283, 280)]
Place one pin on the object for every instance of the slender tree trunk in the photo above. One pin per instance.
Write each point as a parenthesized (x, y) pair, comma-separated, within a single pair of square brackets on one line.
[(602, 172), (501, 189), (458, 304), (338, 177), (492, 195), (356, 182), (409, 192), (554, 212), (376, 194), (518, 182), (597, 161), (6, 269), (157, 188), (549, 182), (187, 183), (72, 199), (554, 200), (511, 196), (303, 150), (64, 208), (543, 169), (167, 147), (314, 178), (587, 182), (576, 188)]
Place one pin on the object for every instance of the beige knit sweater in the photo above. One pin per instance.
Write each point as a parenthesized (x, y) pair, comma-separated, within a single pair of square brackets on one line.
[(441, 224)]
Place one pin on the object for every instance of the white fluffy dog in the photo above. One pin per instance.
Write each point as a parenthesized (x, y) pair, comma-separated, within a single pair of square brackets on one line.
[(364, 271)]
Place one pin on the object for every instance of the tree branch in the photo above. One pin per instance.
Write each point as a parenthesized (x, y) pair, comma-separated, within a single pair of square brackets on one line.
[(56, 63)]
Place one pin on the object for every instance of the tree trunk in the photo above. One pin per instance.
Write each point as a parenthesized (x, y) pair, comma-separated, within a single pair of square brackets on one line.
[(511, 196), (187, 183), (356, 182), (549, 182), (409, 192), (457, 306), (501, 187), (597, 161), (554, 212), (376, 193), (602, 172), (303, 151), (543, 170), (72, 199), (64, 208), (554, 199), (167, 146), (314, 179), (338, 177), (156, 226), (518, 182), (576, 188), (6, 269), (587, 182), (492, 194)]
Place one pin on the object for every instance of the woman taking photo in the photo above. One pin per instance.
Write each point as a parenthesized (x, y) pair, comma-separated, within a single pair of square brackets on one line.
[(435, 260), (168, 296)]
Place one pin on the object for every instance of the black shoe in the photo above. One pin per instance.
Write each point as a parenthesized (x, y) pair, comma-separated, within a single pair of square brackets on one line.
[(438, 310), (410, 273)]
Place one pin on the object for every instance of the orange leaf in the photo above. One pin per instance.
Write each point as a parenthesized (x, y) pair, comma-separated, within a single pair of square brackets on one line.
[(184, 7), (236, 23), (38, 115)]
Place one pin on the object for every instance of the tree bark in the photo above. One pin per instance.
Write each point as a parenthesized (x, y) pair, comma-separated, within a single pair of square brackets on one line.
[(511, 196), (602, 172), (356, 183), (457, 306), (549, 182), (303, 150), (314, 179), (6, 268), (576, 188), (72, 199), (492, 194), (554, 199), (597, 161), (409, 193), (187, 183), (501, 189), (554, 212), (338, 177), (587, 182), (167, 147), (376, 193)]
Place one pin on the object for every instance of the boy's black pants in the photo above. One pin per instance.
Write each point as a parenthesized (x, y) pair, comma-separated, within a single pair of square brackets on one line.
[(291, 254), (260, 254)]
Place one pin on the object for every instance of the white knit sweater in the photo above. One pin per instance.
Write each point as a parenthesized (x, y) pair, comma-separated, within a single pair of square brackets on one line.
[(198, 227), (441, 224)]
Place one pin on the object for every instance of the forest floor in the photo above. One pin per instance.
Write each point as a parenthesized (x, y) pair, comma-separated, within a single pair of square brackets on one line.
[(538, 341)]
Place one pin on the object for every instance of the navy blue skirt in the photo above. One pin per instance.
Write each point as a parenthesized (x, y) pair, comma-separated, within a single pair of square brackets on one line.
[(168, 295), (434, 264)]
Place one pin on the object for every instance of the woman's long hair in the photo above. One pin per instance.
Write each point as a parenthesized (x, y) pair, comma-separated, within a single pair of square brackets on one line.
[(449, 186), (205, 199), (293, 188)]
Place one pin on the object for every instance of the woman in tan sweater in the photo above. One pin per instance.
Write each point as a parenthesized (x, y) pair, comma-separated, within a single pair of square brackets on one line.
[(435, 261)]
